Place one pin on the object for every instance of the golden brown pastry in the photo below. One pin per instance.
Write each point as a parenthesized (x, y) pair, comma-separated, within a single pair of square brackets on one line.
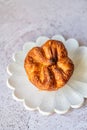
[(48, 67)]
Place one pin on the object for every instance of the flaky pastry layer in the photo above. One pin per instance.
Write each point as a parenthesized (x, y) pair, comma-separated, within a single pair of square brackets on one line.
[(48, 67)]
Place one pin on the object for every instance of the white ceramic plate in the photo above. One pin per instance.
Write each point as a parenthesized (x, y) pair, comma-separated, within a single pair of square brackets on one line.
[(60, 101)]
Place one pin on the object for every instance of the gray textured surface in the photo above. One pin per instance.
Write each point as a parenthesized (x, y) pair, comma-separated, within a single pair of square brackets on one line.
[(23, 20)]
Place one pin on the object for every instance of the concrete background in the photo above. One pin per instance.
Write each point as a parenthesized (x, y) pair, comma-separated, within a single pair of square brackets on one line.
[(24, 20)]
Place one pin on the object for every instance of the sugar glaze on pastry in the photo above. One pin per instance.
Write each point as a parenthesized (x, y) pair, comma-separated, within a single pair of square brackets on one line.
[(48, 67)]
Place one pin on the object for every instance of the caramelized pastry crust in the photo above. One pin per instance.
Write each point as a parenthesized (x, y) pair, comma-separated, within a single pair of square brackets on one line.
[(48, 67)]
